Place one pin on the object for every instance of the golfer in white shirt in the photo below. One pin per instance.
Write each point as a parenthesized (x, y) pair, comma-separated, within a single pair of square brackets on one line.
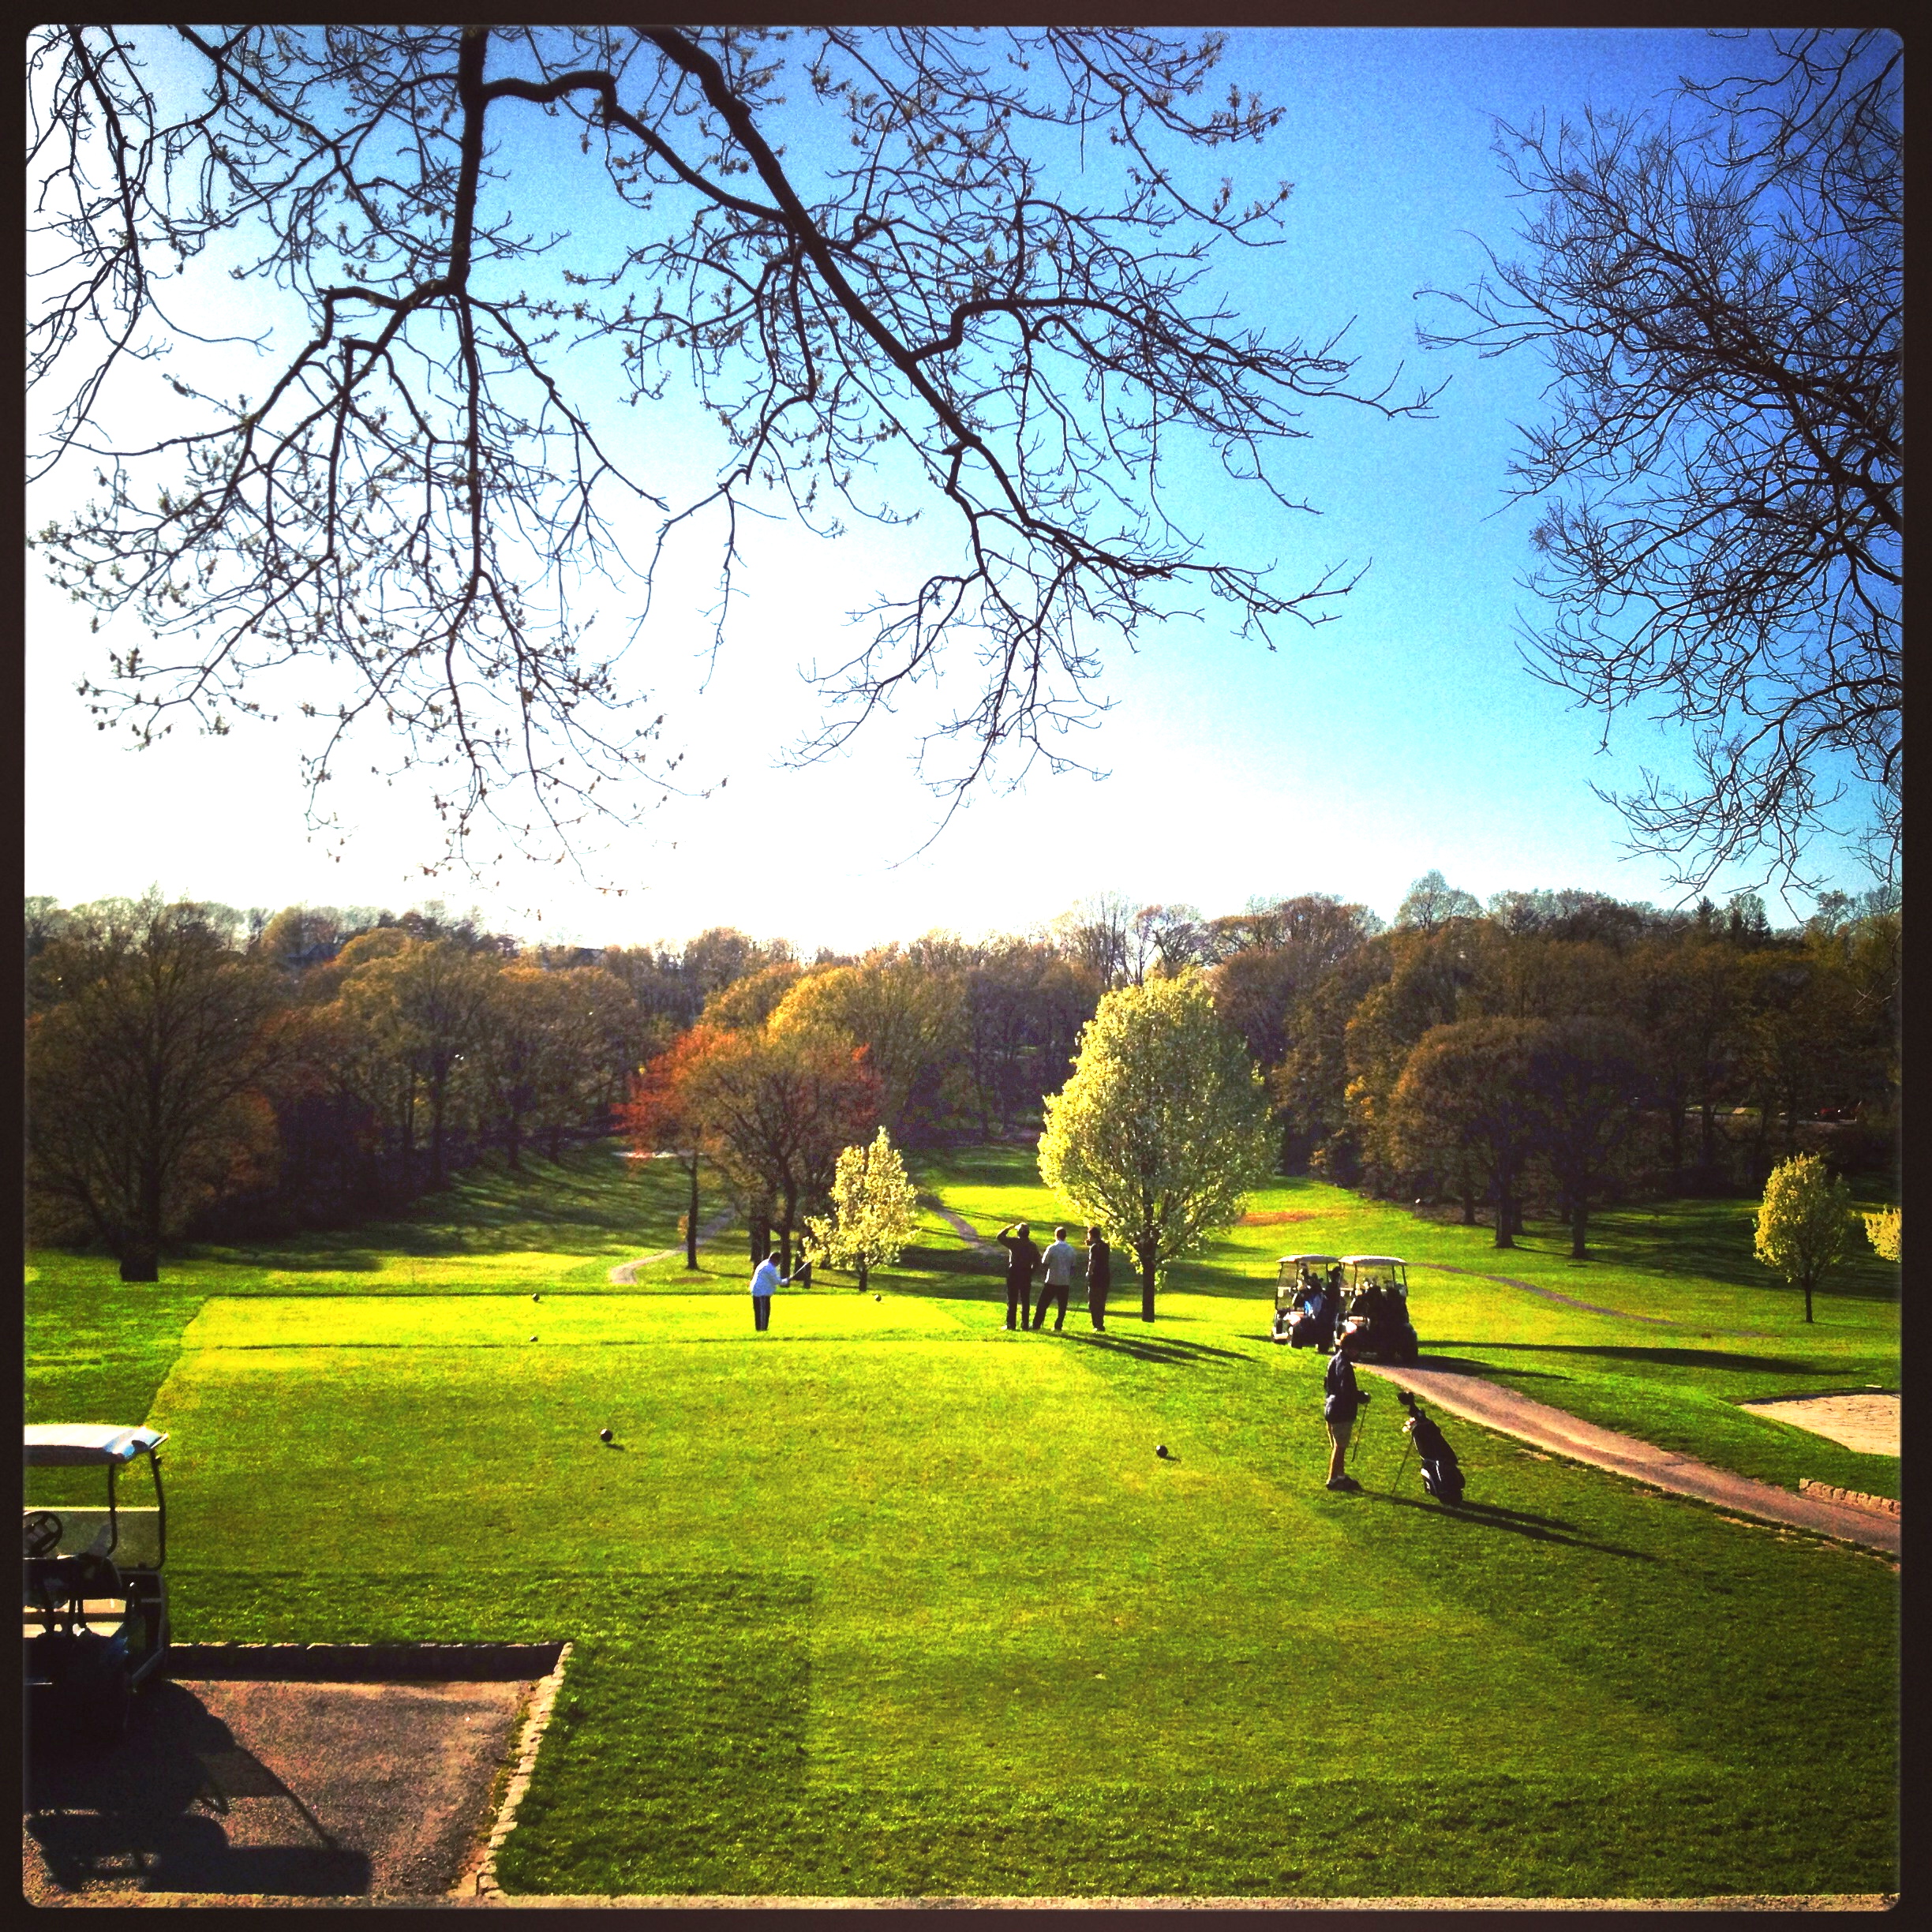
[(1058, 1262), (764, 1279)]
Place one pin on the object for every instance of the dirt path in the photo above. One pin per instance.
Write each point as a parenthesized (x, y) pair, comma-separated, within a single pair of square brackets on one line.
[(1511, 1414), (965, 1229), (625, 1274)]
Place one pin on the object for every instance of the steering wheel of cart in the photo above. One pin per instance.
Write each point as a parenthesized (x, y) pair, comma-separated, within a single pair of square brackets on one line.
[(40, 1533)]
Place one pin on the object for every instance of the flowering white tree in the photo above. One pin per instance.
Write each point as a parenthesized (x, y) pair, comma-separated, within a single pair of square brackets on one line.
[(1881, 1230), (1804, 1224), (1163, 1128), (874, 1207)]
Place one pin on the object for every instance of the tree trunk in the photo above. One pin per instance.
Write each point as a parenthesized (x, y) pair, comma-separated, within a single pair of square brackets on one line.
[(140, 1261), (760, 1238), (1149, 1254), (863, 1275), (1807, 1288), (439, 1098), (690, 1221), (1505, 1214)]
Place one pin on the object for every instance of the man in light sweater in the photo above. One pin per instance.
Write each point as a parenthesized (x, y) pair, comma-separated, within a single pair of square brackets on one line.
[(1058, 1262), (764, 1279)]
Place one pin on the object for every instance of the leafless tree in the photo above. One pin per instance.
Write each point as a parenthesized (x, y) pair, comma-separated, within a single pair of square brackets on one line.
[(1719, 295), (842, 248)]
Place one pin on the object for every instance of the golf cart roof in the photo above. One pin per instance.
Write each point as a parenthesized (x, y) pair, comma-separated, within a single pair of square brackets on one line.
[(1373, 1261), (1289, 1260), (75, 1445)]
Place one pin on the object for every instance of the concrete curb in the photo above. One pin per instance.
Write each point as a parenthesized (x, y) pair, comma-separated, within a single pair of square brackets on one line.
[(378, 1663), (1852, 1499), (479, 1879)]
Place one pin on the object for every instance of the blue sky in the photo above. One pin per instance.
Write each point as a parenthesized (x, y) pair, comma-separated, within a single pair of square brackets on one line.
[(1404, 736)]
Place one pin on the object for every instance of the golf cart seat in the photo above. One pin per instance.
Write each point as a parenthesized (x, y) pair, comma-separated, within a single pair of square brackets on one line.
[(71, 1596)]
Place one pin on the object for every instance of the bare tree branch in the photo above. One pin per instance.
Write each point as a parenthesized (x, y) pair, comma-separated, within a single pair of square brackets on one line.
[(838, 245), (1722, 470)]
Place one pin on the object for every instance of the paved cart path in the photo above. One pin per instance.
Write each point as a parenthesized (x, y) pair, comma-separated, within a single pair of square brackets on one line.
[(625, 1274), (1504, 1410)]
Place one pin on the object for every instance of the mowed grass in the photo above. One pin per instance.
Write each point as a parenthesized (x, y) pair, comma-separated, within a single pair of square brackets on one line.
[(890, 1601), (1698, 1326)]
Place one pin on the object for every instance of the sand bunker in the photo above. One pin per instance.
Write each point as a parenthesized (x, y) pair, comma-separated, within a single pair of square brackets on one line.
[(1868, 1422)]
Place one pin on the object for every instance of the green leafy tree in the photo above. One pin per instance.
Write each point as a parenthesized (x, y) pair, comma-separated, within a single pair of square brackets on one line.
[(1804, 1223), (875, 1209), (1465, 1094), (1164, 1126), (150, 1042)]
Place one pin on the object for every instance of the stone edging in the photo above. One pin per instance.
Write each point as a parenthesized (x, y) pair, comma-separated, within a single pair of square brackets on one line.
[(1855, 1499), (364, 1663), (479, 1878)]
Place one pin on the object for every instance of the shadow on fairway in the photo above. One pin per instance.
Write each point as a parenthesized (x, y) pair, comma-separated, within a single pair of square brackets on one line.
[(1517, 1522), (1148, 1349), (1656, 1357), (1463, 1365)]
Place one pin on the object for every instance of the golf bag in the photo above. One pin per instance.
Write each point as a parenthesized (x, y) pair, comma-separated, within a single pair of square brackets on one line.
[(1442, 1475)]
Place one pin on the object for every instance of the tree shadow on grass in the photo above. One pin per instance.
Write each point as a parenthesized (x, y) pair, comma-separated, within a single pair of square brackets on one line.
[(1463, 1365), (1158, 1349), (1516, 1522), (1655, 1358)]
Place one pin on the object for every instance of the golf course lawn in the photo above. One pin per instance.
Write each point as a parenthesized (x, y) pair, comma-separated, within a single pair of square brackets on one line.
[(890, 1601)]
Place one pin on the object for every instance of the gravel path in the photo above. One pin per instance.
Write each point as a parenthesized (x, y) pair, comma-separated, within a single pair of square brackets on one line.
[(1505, 1410)]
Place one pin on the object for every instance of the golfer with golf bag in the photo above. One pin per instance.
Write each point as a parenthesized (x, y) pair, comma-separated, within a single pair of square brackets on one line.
[(1340, 1398)]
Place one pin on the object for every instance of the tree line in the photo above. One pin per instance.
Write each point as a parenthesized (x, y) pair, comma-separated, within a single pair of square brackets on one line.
[(195, 1069)]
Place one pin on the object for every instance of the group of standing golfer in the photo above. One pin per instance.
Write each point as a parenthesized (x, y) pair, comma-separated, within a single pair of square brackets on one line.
[(1056, 1267)]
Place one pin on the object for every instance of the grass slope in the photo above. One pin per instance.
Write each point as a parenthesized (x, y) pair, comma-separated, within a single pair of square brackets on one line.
[(890, 1601)]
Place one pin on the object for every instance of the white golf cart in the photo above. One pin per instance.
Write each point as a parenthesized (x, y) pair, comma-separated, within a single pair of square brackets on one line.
[(1375, 1307), (1305, 1304), (93, 1600)]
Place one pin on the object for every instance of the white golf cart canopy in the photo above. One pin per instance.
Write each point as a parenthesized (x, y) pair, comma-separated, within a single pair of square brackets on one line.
[(87, 1445), (1373, 1261), (1296, 1261)]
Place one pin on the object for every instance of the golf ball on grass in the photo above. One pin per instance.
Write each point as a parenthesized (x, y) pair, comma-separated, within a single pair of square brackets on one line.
[(1160, 1449), (603, 1435)]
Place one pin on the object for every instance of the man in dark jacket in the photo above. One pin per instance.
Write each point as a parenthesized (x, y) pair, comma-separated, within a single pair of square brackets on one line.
[(1022, 1259), (1340, 1399), (1099, 1277)]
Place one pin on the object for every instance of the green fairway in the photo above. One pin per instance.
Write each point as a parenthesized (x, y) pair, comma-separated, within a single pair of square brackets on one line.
[(891, 1601)]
